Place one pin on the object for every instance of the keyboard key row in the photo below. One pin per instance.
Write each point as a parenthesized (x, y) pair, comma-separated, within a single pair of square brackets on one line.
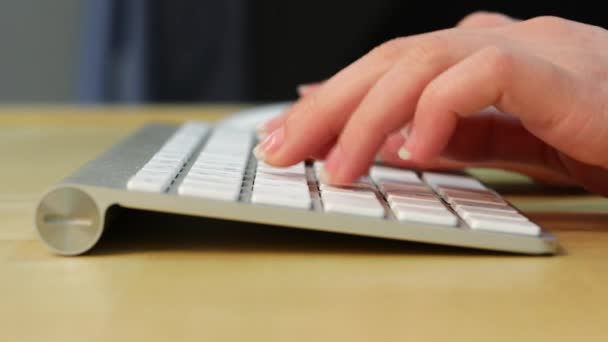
[(480, 207), (281, 186), (160, 171), (219, 169)]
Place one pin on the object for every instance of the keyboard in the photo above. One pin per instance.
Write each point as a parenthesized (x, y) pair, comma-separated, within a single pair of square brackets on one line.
[(197, 169)]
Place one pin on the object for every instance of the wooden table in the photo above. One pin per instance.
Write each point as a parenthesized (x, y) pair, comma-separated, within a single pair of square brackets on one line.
[(161, 279)]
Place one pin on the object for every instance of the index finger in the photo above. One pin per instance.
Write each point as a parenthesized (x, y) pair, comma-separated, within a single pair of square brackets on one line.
[(316, 119)]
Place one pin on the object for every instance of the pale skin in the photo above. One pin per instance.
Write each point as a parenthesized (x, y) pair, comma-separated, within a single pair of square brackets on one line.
[(530, 96)]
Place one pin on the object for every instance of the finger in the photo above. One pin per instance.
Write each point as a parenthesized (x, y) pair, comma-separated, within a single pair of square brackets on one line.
[(592, 178), (540, 94), (315, 120), (271, 125), (264, 129), (491, 136), (307, 89), (322, 153), (488, 139), (391, 103), (539, 174), (484, 19)]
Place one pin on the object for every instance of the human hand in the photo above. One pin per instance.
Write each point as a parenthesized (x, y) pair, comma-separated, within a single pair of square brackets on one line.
[(451, 89)]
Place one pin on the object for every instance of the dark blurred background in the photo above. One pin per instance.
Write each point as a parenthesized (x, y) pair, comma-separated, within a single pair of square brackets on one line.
[(133, 51)]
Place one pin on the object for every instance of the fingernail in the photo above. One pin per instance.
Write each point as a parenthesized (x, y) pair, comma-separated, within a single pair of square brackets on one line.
[(332, 163), (403, 153), (270, 144), (304, 89), (261, 131)]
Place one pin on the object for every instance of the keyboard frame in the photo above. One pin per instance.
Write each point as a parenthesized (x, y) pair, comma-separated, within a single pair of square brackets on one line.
[(72, 216)]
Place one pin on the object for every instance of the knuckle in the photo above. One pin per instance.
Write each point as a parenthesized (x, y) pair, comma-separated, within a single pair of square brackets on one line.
[(547, 23), (480, 18), (390, 50), (499, 60), (310, 106), (426, 50)]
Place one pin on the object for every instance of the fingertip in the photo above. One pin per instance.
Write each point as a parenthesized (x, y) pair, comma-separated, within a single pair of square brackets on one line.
[(261, 131), (404, 153), (307, 88), (419, 151)]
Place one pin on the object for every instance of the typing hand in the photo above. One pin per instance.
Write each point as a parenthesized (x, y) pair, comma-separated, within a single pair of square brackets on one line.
[(438, 100)]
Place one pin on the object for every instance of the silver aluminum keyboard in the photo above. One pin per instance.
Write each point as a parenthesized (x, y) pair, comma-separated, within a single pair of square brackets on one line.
[(221, 169), (215, 165)]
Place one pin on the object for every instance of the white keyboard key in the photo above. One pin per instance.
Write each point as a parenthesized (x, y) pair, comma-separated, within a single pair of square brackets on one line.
[(362, 179), (234, 150), (219, 156), (480, 205), (298, 166), (153, 174), (395, 202), (333, 196), (449, 191), (295, 201), (274, 179), (370, 197), (262, 176), (404, 187), (217, 173), (179, 157), (161, 161), (281, 186), (430, 216), (208, 165), (353, 191), (467, 211), (149, 183), (489, 200), (211, 184), (178, 146), (221, 181), (436, 180), (378, 173), (504, 226), (360, 183), (217, 192), (462, 209), (412, 196), (298, 190), (477, 202), (161, 167), (352, 205), (211, 167), (285, 184), (211, 158), (470, 215), (279, 172), (199, 172)]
